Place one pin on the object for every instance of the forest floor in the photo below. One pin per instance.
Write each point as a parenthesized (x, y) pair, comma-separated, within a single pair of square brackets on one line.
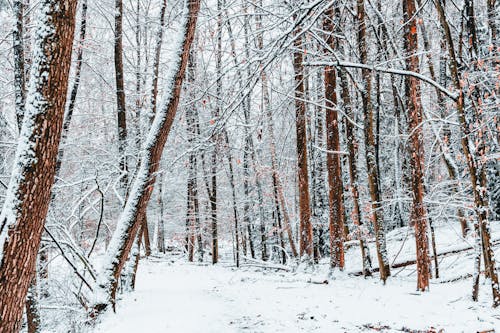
[(173, 295)]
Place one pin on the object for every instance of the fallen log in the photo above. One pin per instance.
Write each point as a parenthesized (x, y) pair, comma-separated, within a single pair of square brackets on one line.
[(264, 264), (409, 262)]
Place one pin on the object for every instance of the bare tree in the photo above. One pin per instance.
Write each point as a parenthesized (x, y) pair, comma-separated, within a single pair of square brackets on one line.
[(333, 154), (306, 233), (142, 187), (373, 176), (414, 106)]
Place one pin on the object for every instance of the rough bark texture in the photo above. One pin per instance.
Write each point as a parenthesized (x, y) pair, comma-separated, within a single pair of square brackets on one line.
[(306, 234), (156, 63), (120, 95), (32, 309), (143, 184), (19, 70), (414, 109), (160, 240), (333, 164), (23, 215), (373, 181), (192, 183)]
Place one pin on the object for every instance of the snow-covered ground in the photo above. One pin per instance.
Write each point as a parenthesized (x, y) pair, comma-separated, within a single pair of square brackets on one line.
[(173, 295)]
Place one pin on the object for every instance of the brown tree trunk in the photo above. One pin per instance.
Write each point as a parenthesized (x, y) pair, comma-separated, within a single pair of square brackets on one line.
[(373, 176), (32, 312), (23, 215), (153, 101), (444, 145), (414, 106), (335, 192), (136, 204), (306, 234)]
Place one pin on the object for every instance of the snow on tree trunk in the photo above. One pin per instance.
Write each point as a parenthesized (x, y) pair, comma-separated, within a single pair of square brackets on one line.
[(142, 187), (373, 176), (120, 97), (333, 164), (414, 109), (477, 177), (306, 233), (19, 70), (25, 208)]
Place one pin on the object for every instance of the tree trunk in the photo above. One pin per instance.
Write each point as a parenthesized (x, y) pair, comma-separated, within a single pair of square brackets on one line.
[(120, 97), (192, 182), (371, 165), (444, 145), (233, 195), (136, 204), (23, 215), (352, 147), (160, 242), (19, 70), (32, 310), (306, 234), (335, 192), (414, 107), (264, 105)]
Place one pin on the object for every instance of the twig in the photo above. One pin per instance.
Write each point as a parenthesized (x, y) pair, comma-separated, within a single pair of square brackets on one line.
[(75, 270)]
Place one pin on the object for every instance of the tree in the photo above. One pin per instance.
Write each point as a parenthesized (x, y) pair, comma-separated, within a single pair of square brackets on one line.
[(23, 214), (474, 159), (142, 187), (306, 233), (19, 65), (371, 165), (121, 107), (333, 154), (414, 109)]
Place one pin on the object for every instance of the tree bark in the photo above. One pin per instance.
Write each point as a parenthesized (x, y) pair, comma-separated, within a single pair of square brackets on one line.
[(352, 147), (414, 108), (120, 96), (136, 203), (306, 233), (160, 241), (192, 182), (23, 214), (373, 176), (19, 66), (32, 309), (335, 184)]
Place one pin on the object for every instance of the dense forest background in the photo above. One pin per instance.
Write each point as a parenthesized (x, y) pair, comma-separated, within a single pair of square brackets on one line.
[(304, 128)]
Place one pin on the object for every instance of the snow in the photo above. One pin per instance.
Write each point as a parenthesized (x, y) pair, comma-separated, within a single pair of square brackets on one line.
[(35, 105), (140, 183), (173, 295)]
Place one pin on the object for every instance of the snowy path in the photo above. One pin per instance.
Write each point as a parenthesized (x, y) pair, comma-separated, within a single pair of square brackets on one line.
[(175, 296)]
